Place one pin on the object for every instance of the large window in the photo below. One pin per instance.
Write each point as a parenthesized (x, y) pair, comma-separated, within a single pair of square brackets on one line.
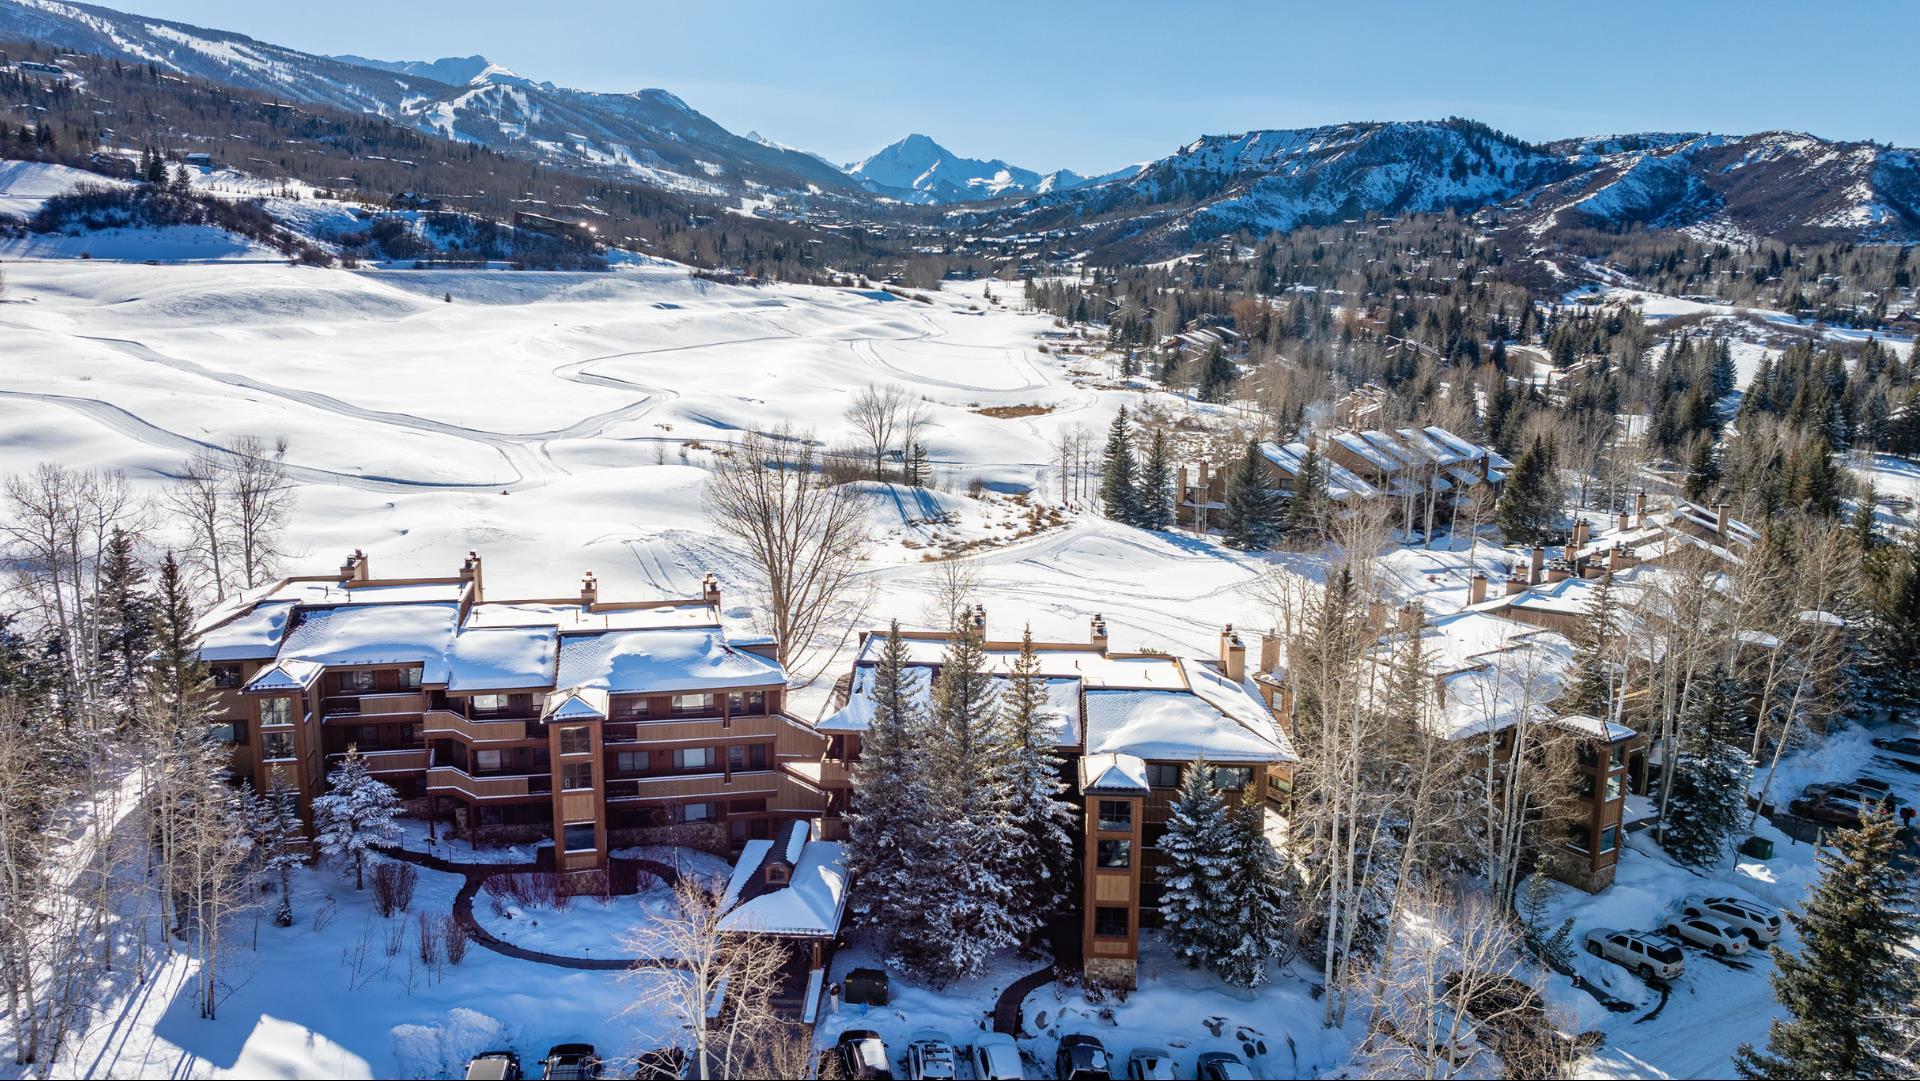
[(632, 762), (276, 745), (739, 702), (1163, 775), (488, 761), (410, 679), (1232, 778), (746, 756), (1110, 922), (276, 711), (1116, 855), (576, 775), (489, 703), (576, 740), (693, 758), (697, 812), (578, 837), (226, 676), (356, 681), (1116, 815), (685, 705), (1609, 838)]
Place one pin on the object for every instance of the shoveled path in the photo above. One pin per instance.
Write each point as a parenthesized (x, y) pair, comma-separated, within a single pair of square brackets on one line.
[(476, 875), (1006, 1008)]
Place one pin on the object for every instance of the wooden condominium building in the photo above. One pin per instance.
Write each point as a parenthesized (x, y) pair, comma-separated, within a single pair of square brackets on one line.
[(1126, 724), (588, 722), (1423, 472)]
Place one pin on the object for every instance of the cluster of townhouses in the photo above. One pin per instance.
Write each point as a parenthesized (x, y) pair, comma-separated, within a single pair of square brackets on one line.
[(595, 724)]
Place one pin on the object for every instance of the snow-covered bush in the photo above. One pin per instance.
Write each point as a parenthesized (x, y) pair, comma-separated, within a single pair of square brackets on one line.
[(442, 1050)]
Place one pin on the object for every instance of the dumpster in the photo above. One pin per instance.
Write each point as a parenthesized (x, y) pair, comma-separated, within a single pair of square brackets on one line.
[(1760, 848), (866, 987)]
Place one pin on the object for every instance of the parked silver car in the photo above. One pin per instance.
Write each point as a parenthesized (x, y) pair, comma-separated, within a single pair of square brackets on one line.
[(1709, 934), (1760, 923)]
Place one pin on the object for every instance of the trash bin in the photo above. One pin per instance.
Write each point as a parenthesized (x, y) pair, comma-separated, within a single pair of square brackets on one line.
[(1760, 848), (866, 987)]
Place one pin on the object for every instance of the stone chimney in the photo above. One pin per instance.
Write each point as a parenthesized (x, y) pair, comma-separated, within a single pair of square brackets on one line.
[(1377, 615), (589, 590), (1269, 650), (470, 572), (1559, 570), (980, 619), (1409, 614), (1097, 633), (1477, 589), (1516, 580), (1719, 519), (710, 589), (1534, 566), (355, 568), (1233, 655), (1580, 531), (1201, 492), (1619, 559), (1180, 482), (1640, 509), (1626, 522)]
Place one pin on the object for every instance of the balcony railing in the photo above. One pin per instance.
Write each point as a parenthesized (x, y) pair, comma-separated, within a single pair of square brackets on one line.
[(454, 779), (373, 705), (445, 722), (406, 760)]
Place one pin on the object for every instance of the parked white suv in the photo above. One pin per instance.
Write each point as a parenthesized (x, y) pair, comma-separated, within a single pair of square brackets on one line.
[(1652, 958), (1708, 934), (1760, 923)]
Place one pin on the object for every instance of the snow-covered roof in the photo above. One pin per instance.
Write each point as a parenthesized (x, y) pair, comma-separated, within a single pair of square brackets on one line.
[(1465, 450), (1175, 725), (661, 661), (252, 635), (1113, 773), (1342, 483), (502, 658), (287, 676), (377, 634), (1357, 444), (1062, 705), (810, 905), (1587, 725), (579, 617), (576, 704)]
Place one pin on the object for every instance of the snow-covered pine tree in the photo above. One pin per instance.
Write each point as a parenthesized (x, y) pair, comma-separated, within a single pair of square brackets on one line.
[(1590, 691), (1252, 516), (355, 815), (278, 840), (1306, 510), (1531, 502), (126, 623), (1041, 868), (1554, 948), (969, 915), (1118, 492), (1711, 774), (1197, 847), (1253, 903), (887, 836), (919, 473), (1156, 484), (1855, 977), (1891, 576)]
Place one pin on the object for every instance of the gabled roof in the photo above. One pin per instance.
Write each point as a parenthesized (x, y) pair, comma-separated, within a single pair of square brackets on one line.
[(284, 676), (811, 904), (1113, 773), (576, 704)]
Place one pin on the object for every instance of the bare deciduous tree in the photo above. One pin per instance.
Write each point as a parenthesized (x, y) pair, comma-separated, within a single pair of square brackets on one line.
[(884, 415), (259, 501)]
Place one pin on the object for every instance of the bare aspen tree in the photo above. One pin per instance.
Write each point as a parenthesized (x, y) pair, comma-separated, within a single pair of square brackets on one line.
[(1457, 953), (802, 536), (259, 501), (198, 498), (720, 994), (884, 415), (1523, 777)]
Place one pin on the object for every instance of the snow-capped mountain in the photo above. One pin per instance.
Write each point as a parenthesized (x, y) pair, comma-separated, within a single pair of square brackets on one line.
[(918, 170), (1775, 184), (649, 135)]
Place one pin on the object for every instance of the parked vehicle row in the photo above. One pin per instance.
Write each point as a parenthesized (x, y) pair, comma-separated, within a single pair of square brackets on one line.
[(994, 1056), (1902, 745), (564, 1062), (1724, 926)]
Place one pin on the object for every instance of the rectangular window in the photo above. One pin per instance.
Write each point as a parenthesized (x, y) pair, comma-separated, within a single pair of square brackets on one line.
[(576, 740), (697, 812), (632, 762), (1110, 922), (747, 756), (1609, 838), (693, 758), (360, 679), (576, 775), (1613, 786), (489, 703), (1116, 815), (579, 837), (488, 761), (739, 702), (410, 679), (276, 711), (685, 705), (276, 745), (1232, 778), (1116, 855), (1163, 775), (226, 676)]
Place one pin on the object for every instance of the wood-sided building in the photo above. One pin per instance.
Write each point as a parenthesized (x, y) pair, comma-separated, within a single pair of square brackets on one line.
[(591, 723)]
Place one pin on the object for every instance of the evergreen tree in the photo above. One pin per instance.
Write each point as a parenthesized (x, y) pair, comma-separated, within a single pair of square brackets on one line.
[(1703, 470), (1855, 977), (887, 840), (125, 620), (1711, 775), (277, 836), (1253, 899), (1041, 868), (1217, 374), (1197, 847), (1306, 511), (918, 472), (1252, 516), (1891, 636), (1530, 505), (356, 815), (1863, 524), (1553, 948), (1155, 495), (1590, 690), (1118, 492)]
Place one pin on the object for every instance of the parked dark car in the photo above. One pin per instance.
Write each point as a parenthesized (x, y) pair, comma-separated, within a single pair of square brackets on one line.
[(1082, 1058), (1907, 745), (863, 1055), (570, 1062), (1827, 810), (494, 1066)]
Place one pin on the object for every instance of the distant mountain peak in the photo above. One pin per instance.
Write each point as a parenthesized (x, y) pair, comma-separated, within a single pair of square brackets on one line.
[(916, 169), (451, 70)]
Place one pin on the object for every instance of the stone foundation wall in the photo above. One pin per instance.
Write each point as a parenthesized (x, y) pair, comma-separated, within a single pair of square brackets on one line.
[(706, 836), (1111, 971), (1575, 872)]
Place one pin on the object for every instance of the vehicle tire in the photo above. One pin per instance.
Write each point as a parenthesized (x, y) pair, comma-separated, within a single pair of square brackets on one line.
[(1719, 950), (1753, 939), (1593, 948), (1673, 930), (1646, 972)]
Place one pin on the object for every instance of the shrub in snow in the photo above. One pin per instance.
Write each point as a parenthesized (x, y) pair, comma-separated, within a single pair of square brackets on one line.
[(442, 1050), (393, 884)]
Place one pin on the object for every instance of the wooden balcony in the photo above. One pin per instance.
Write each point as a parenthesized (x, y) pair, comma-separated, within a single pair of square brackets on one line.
[(454, 779), (373, 705), (443, 722), (410, 760)]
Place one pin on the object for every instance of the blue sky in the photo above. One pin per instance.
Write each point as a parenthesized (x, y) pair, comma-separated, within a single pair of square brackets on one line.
[(1091, 86)]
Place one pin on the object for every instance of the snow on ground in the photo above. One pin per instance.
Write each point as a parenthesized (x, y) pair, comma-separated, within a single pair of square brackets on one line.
[(586, 927)]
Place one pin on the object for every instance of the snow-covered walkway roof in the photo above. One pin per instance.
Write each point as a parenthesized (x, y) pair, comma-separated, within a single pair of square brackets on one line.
[(810, 905)]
